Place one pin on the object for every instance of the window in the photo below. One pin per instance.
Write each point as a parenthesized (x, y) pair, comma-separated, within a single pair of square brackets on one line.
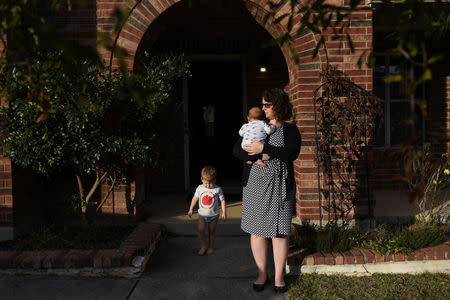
[(403, 118)]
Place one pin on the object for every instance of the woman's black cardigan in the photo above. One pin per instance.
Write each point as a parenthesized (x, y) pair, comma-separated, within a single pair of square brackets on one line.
[(287, 154)]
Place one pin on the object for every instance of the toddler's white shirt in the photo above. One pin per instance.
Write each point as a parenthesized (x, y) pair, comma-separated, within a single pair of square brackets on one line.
[(208, 200)]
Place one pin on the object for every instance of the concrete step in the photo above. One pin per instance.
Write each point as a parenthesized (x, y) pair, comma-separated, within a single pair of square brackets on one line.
[(228, 228)]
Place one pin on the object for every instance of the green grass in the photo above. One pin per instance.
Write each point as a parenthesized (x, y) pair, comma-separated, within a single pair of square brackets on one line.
[(377, 286)]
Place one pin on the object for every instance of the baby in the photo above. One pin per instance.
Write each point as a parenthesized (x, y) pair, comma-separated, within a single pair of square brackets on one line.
[(255, 129)]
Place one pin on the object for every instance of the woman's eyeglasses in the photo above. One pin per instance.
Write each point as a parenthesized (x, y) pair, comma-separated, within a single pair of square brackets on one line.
[(266, 105)]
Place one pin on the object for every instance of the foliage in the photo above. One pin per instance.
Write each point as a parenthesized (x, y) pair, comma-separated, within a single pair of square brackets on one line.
[(27, 30), (337, 238), (419, 30), (319, 16), (90, 236), (403, 240), (383, 239), (416, 28), (413, 24), (428, 179), (104, 116), (98, 124), (330, 238), (346, 124), (377, 286)]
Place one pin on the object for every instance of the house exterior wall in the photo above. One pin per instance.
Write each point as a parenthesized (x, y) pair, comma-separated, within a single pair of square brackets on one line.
[(6, 198), (303, 80), (445, 117)]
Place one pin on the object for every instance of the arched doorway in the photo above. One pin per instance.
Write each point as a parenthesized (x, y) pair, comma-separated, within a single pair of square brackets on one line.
[(225, 47)]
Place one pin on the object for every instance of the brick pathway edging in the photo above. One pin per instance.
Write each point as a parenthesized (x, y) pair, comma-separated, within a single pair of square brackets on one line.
[(142, 242), (369, 261)]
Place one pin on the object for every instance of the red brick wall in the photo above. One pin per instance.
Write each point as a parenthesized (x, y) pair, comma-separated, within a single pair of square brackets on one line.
[(445, 118), (6, 203), (303, 78), (306, 80), (79, 24), (121, 199), (6, 198), (141, 18)]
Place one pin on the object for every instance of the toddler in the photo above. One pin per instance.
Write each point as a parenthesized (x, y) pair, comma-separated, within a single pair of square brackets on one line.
[(208, 195), (255, 129)]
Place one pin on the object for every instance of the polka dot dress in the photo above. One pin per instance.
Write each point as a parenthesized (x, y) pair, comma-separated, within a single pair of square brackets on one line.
[(266, 206)]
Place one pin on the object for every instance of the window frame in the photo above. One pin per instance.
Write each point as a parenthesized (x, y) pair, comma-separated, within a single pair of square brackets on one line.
[(387, 101)]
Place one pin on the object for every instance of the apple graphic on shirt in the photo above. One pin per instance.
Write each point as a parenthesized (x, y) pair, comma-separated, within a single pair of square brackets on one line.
[(207, 200)]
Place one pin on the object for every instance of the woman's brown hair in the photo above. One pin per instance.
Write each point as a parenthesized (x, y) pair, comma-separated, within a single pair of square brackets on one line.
[(282, 107)]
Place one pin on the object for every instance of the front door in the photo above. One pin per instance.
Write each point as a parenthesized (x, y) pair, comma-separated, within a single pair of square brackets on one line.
[(215, 107)]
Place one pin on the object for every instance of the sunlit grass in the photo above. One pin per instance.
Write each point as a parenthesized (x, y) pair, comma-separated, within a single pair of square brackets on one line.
[(377, 286)]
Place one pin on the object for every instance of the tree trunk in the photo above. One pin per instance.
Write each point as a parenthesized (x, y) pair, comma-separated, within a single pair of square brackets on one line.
[(113, 180), (81, 193), (85, 200)]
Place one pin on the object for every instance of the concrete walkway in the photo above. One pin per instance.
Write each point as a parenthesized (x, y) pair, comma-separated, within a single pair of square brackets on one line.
[(175, 272)]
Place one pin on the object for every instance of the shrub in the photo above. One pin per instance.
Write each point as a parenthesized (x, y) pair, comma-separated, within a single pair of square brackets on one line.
[(70, 236), (403, 239), (99, 126), (384, 239), (304, 235), (333, 237), (337, 238)]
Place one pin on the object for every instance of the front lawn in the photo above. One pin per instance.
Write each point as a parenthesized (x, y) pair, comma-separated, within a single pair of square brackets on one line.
[(377, 286)]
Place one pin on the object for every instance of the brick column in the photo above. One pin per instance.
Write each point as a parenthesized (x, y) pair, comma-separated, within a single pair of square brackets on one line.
[(306, 80), (446, 115), (6, 199), (438, 121)]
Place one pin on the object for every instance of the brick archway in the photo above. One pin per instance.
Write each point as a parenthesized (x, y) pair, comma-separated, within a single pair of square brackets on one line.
[(303, 78), (146, 11)]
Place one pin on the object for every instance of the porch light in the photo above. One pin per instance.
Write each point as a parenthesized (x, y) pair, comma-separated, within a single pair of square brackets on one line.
[(262, 63)]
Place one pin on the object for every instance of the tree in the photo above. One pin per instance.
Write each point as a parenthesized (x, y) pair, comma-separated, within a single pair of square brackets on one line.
[(413, 24), (28, 27), (98, 125)]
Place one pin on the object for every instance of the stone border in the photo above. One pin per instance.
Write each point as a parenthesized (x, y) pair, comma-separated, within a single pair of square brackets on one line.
[(365, 262), (128, 260)]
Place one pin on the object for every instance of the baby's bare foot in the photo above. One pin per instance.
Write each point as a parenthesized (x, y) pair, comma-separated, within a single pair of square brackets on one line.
[(210, 251), (202, 251)]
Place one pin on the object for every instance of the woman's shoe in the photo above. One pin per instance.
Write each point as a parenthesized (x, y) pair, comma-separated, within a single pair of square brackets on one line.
[(280, 289), (259, 287)]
